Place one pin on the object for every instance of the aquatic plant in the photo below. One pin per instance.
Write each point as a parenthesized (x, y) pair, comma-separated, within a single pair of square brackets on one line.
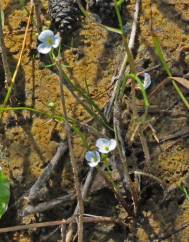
[(49, 40), (93, 158), (5, 192), (105, 145)]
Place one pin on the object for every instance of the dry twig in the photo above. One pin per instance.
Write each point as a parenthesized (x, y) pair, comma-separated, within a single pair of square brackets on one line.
[(38, 15), (72, 158), (145, 148), (35, 189), (4, 55), (44, 206), (86, 219), (121, 148), (85, 190)]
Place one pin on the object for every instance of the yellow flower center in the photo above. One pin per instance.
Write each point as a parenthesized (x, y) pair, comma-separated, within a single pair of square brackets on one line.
[(50, 41)]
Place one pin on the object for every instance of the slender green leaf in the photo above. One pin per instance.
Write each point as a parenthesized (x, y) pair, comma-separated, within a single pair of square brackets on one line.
[(160, 54), (162, 59), (139, 82), (120, 2), (89, 103), (111, 29), (2, 18), (4, 193), (183, 98), (184, 82)]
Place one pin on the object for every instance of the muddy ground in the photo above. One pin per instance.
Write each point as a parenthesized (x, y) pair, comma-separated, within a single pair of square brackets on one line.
[(28, 141)]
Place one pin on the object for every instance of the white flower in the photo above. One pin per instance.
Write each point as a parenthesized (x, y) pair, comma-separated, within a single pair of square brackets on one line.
[(93, 158), (105, 145), (49, 41), (147, 80), (0, 168)]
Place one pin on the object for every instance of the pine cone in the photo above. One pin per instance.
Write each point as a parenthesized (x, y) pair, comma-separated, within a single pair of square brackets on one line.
[(104, 9), (64, 14)]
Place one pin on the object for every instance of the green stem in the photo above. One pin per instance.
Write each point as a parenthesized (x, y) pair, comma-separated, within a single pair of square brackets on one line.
[(89, 102), (125, 41)]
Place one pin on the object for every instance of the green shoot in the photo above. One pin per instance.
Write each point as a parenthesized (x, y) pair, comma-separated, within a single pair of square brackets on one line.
[(185, 191), (4, 194), (165, 66), (2, 18), (139, 82)]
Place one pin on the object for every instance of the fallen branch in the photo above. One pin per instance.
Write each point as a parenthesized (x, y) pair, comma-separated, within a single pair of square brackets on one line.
[(184, 132), (44, 206), (86, 219), (85, 190), (175, 231), (35, 189)]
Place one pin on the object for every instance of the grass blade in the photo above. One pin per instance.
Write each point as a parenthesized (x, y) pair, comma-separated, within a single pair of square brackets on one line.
[(4, 194), (139, 82), (166, 67), (160, 54)]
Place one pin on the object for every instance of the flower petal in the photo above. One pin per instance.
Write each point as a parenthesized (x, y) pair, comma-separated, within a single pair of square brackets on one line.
[(93, 158), (57, 40), (103, 145), (102, 142), (43, 48), (44, 35), (113, 144), (104, 150), (147, 80)]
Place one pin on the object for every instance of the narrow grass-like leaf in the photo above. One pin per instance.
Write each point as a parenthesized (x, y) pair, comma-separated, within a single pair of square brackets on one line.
[(139, 82), (184, 82), (4, 193), (50, 65), (2, 18), (117, 10), (111, 29), (58, 118), (183, 98), (90, 103), (185, 191), (160, 54), (120, 2)]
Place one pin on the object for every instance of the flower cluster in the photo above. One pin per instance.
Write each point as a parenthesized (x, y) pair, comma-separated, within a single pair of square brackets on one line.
[(104, 146), (48, 41)]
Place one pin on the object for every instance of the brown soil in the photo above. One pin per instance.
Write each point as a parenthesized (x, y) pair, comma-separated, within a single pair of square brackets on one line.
[(28, 142)]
